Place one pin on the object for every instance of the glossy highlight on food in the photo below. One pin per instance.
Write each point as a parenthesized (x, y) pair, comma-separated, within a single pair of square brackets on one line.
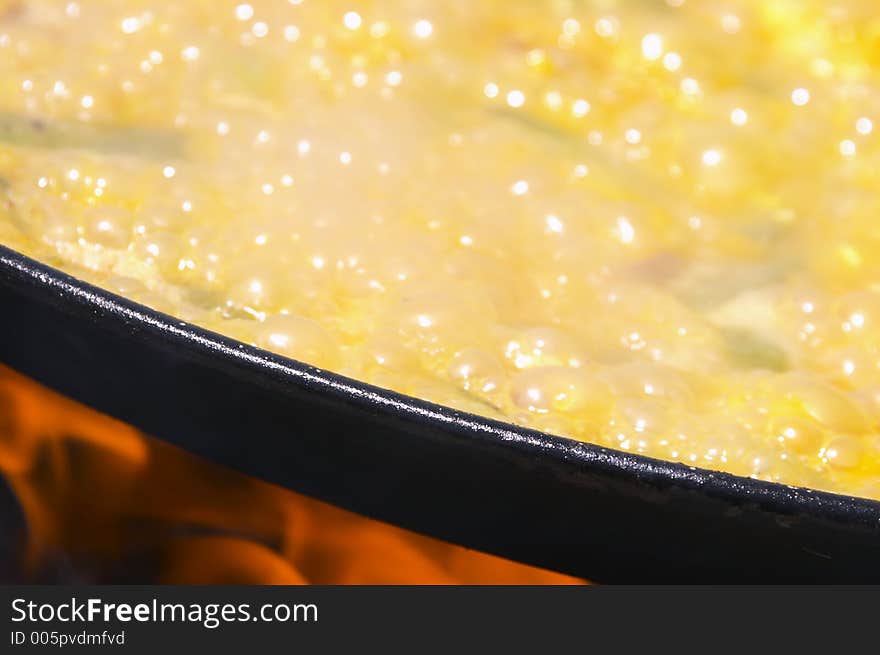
[(647, 225)]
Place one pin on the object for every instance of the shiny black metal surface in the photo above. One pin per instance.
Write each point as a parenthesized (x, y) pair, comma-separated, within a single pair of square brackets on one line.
[(598, 513)]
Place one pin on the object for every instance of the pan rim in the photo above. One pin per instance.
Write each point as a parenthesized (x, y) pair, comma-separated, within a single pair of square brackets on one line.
[(19, 270)]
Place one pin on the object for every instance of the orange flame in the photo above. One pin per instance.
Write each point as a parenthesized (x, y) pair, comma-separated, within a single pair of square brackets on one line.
[(104, 503)]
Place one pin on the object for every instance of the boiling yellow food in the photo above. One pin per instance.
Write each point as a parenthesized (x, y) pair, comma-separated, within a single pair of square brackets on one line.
[(649, 225)]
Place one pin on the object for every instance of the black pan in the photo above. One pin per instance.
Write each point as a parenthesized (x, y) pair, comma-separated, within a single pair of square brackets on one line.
[(577, 508)]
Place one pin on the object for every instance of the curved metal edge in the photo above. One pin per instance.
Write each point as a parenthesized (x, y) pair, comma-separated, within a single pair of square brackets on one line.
[(736, 490)]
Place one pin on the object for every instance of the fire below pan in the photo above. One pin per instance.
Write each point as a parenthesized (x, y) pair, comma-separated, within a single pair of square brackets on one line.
[(574, 507)]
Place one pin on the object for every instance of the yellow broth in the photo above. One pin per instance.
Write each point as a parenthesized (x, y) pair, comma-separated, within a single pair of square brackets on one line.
[(648, 225)]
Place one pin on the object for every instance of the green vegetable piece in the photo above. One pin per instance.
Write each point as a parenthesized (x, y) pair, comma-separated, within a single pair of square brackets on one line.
[(147, 142), (750, 350)]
